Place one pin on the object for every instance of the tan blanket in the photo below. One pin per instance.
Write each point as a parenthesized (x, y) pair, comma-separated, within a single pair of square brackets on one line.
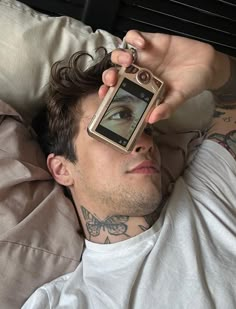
[(39, 237)]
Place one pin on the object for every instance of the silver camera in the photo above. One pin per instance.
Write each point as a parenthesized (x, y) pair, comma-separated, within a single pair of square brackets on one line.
[(122, 115)]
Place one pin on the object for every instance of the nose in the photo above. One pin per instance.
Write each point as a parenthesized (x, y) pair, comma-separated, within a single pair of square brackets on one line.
[(144, 144)]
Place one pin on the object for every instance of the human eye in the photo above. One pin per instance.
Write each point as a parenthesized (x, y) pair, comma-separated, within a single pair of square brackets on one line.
[(120, 114)]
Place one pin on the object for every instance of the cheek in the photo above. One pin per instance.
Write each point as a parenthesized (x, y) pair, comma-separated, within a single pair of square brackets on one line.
[(97, 160)]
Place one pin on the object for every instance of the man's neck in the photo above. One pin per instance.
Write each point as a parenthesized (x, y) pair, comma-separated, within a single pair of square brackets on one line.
[(114, 228)]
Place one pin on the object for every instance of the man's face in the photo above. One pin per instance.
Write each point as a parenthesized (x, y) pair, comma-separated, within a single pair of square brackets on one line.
[(109, 182)]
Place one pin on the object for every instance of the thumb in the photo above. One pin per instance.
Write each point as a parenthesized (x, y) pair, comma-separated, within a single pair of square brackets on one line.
[(168, 106)]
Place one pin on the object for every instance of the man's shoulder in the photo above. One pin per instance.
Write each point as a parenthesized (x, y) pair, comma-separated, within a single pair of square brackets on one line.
[(211, 167), (211, 153)]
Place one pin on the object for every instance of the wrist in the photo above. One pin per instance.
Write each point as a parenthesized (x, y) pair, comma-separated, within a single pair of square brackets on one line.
[(224, 86)]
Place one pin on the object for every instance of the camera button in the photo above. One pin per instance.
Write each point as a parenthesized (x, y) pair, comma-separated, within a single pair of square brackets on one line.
[(143, 77)]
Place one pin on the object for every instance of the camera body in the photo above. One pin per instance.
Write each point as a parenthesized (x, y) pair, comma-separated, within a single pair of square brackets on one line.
[(123, 113)]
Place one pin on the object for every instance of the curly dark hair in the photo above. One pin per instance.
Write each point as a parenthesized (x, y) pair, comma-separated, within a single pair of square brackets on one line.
[(57, 125)]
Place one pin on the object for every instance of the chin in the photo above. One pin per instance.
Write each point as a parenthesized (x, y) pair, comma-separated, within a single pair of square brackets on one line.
[(143, 202)]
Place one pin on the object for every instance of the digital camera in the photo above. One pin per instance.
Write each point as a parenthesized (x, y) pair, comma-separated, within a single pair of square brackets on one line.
[(122, 116)]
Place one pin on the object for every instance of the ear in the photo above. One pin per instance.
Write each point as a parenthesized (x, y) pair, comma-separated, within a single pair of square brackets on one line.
[(59, 168)]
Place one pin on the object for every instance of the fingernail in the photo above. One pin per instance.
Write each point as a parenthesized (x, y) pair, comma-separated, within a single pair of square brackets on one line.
[(124, 59)]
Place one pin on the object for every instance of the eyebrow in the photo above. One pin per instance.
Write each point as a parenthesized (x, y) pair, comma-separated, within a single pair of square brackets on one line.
[(124, 98)]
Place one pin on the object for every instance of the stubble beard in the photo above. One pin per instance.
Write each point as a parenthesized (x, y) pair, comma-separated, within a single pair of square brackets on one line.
[(129, 201)]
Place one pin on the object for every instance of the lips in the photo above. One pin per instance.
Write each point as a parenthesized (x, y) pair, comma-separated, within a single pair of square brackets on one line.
[(145, 167)]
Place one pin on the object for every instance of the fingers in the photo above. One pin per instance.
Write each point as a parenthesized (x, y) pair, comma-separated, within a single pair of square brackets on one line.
[(135, 38), (102, 91), (122, 57), (160, 112), (167, 108), (109, 78)]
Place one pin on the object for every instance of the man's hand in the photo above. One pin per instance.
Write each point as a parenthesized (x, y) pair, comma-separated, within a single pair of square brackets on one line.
[(187, 66)]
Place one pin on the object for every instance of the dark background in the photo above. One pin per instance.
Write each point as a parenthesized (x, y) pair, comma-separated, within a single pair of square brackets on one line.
[(208, 21)]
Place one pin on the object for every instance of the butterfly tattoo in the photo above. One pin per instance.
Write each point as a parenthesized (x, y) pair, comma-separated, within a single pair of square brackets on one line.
[(115, 225)]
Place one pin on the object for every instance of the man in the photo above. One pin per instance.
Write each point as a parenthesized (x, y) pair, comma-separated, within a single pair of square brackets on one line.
[(139, 254)]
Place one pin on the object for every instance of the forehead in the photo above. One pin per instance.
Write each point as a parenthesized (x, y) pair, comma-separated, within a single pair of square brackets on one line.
[(88, 107)]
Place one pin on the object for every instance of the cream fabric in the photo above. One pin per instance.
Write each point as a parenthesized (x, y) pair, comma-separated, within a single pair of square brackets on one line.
[(30, 42)]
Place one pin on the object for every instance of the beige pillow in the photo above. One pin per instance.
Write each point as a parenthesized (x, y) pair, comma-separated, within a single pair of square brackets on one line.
[(30, 42)]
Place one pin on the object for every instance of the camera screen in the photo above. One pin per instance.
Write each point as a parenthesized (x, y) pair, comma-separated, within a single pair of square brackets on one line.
[(124, 112)]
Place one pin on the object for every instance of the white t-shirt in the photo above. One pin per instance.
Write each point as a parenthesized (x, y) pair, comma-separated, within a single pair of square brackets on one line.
[(186, 260)]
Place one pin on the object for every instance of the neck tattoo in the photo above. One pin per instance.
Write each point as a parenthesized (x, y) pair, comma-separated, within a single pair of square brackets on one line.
[(114, 225)]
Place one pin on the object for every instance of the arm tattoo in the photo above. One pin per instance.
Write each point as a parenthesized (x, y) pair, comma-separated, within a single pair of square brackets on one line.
[(107, 241), (151, 218), (143, 228), (218, 114), (228, 141), (222, 115), (114, 225)]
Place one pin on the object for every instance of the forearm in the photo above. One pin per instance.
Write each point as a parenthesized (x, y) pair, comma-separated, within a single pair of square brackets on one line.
[(225, 79)]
